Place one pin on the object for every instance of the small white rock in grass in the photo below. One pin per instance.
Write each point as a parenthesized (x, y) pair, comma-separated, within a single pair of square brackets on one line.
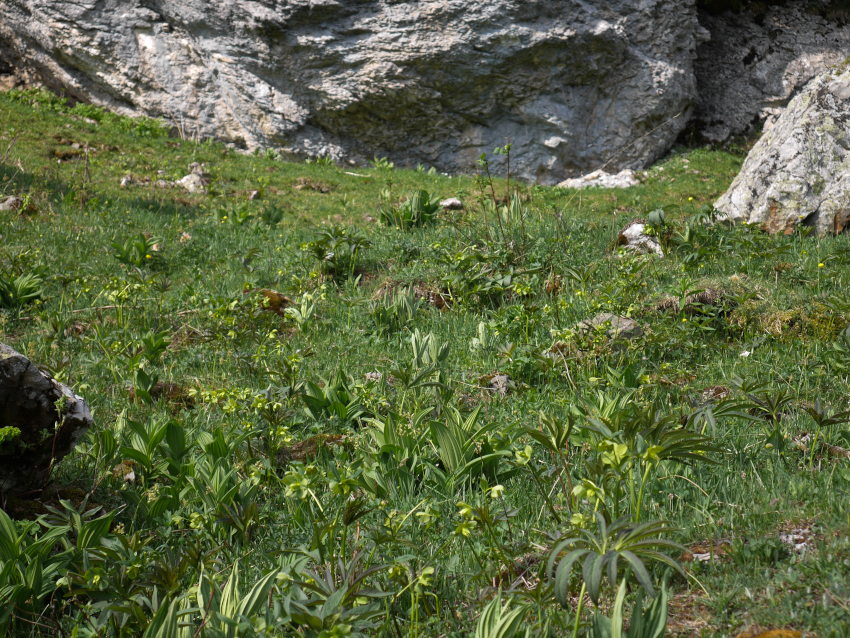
[(11, 203), (192, 183), (453, 203), (634, 237), (623, 179)]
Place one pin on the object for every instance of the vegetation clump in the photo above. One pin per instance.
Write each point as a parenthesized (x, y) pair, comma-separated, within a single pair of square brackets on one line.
[(293, 438)]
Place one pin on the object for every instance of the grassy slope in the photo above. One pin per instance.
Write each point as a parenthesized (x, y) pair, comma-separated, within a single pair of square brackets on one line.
[(96, 310)]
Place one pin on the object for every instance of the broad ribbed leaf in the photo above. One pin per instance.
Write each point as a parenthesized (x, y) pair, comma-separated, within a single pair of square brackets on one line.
[(448, 446), (258, 596), (637, 622), (488, 618), (164, 623), (640, 571), (655, 618), (9, 540), (562, 576), (509, 623), (592, 574)]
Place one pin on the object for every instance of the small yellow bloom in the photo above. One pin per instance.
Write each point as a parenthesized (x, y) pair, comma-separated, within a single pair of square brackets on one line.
[(820, 265), (147, 256), (690, 199)]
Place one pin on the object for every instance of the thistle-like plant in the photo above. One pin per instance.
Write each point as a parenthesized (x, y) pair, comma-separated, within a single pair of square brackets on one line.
[(607, 551), (632, 442)]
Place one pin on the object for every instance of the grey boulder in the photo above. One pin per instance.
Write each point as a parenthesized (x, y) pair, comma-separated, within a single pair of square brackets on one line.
[(798, 173), (192, 183), (51, 419), (572, 84)]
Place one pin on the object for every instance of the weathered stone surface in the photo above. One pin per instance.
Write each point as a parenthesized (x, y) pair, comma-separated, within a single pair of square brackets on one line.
[(755, 63), (616, 326), (28, 402), (799, 171), (633, 237), (571, 83), (11, 203), (193, 183), (452, 203), (623, 179)]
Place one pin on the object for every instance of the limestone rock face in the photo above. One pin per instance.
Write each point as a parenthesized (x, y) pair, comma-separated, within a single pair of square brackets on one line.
[(799, 171), (754, 64), (438, 82), (28, 402)]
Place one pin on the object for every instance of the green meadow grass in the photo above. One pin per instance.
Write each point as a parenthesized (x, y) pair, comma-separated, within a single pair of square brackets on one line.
[(250, 390)]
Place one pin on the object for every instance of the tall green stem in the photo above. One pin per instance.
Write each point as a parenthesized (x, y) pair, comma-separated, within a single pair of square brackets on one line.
[(640, 493), (544, 495), (578, 609), (814, 445)]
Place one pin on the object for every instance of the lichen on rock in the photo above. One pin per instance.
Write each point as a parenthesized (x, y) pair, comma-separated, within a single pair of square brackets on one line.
[(798, 173)]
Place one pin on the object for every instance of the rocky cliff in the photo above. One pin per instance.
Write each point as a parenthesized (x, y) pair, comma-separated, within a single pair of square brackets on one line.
[(573, 84), (760, 58)]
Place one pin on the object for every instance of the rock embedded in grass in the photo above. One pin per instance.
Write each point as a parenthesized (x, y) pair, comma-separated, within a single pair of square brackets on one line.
[(601, 179), (192, 183), (452, 203), (11, 203), (617, 328), (633, 237), (48, 415)]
